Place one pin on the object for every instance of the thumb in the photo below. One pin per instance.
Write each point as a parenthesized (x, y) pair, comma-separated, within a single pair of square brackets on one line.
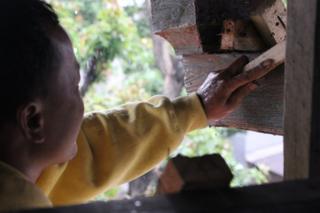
[(235, 68), (237, 97)]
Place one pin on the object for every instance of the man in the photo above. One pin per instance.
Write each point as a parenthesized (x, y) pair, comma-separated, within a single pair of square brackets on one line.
[(50, 154)]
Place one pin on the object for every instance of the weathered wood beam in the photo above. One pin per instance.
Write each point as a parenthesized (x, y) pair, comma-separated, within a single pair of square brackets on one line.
[(267, 119), (261, 111), (277, 53), (302, 96), (213, 12), (182, 23), (293, 197), (211, 26), (271, 21), (176, 22), (240, 35)]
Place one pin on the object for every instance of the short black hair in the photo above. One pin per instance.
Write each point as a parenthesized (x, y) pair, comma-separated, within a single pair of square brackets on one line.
[(27, 53)]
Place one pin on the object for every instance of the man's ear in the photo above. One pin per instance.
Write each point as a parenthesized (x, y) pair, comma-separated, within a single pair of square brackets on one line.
[(31, 121)]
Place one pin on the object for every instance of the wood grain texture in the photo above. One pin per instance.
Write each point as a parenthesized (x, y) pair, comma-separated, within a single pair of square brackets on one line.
[(176, 22), (276, 53), (271, 21), (261, 111), (199, 24), (301, 147), (293, 197), (212, 13), (184, 24), (172, 14), (314, 167)]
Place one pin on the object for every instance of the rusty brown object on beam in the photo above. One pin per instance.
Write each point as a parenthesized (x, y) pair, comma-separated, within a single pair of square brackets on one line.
[(183, 174), (240, 35)]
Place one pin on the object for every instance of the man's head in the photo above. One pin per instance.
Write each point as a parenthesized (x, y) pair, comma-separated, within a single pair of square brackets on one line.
[(41, 108)]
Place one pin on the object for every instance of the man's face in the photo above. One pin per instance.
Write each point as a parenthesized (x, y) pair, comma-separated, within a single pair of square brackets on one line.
[(64, 106)]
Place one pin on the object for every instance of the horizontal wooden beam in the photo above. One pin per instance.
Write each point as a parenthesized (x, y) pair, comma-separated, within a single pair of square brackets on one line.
[(293, 197), (214, 26), (182, 24), (261, 111)]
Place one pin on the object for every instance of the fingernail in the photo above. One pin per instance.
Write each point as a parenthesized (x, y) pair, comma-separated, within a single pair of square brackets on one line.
[(256, 83), (267, 63)]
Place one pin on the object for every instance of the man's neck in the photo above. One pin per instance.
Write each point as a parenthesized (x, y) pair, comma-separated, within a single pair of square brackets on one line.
[(30, 173)]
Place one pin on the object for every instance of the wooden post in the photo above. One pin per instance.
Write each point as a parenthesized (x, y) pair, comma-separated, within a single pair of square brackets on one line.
[(302, 100)]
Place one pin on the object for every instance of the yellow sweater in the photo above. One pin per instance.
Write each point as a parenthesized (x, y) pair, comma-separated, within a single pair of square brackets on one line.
[(117, 146)]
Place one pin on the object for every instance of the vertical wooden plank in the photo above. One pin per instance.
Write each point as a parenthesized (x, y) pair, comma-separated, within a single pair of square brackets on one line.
[(314, 168), (301, 148)]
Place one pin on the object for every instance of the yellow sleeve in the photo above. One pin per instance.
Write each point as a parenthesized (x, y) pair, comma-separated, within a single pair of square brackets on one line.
[(121, 144)]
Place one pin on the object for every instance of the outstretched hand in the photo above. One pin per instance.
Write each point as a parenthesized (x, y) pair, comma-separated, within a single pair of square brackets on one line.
[(223, 91)]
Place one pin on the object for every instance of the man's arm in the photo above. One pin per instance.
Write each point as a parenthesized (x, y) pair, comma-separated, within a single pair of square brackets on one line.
[(122, 144)]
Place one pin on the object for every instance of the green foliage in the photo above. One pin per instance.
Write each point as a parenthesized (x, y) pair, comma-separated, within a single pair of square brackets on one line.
[(111, 193), (285, 2), (202, 142), (92, 26), (105, 96), (101, 27), (138, 13)]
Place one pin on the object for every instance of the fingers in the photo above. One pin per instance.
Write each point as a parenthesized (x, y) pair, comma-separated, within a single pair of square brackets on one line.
[(251, 75), (237, 97), (235, 68)]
